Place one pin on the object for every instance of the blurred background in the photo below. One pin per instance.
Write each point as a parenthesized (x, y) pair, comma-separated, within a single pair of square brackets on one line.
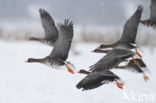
[(95, 22)]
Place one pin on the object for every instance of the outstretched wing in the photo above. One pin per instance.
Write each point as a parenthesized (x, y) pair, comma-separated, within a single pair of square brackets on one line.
[(48, 24), (63, 44), (131, 27), (96, 79), (153, 11), (112, 59)]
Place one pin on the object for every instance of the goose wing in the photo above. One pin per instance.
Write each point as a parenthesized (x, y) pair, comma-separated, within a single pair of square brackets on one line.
[(131, 27), (48, 25), (112, 59), (153, 10), (63, 44)]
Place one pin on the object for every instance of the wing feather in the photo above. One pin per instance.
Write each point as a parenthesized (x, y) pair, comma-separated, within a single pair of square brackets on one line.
[(153, 11), (48, 24), (112, 59), (131, 27), (96, 79), (63, 44)]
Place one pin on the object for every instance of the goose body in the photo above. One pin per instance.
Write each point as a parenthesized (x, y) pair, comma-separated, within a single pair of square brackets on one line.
[(96, 79)]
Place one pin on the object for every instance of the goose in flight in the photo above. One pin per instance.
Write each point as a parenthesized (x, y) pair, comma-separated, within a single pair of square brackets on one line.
[(99, 72), (61, 48), (128, 37), (152, 19), (133, 67), (51, 31), (112, 59), (97, 79)]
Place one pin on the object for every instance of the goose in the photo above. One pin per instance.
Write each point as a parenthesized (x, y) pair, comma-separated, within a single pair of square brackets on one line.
[(152, 19), (100, 72), (113, 58), (61, 48), (133, 67), (51, 31), (128, 37), (97, 79)]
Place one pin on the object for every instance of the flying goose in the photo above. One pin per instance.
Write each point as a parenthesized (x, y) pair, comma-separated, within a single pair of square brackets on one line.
[(128, 37), (133, 67), (112, 59), (99, 72), (96, 79), (61, 48), (51, 31)]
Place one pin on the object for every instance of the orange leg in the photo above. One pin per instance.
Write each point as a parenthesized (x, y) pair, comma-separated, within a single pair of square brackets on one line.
[(135, 61), (145, 77), (138, 53), (69, 69), (119, 85)]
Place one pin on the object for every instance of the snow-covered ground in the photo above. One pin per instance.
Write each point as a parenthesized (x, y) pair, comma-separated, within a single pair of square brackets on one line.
[(21, 82)]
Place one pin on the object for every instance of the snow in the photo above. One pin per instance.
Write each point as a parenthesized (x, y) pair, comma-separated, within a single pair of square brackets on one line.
[(22, 82)]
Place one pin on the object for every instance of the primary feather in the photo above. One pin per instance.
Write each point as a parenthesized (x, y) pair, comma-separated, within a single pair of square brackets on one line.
[(63, 44), (48, 24)]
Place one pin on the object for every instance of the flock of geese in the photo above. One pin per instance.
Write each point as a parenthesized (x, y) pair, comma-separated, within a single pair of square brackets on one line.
[(60, 38)]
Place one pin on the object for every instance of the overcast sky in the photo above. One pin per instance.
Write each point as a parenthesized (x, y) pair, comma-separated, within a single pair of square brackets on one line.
[(82, 12)]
